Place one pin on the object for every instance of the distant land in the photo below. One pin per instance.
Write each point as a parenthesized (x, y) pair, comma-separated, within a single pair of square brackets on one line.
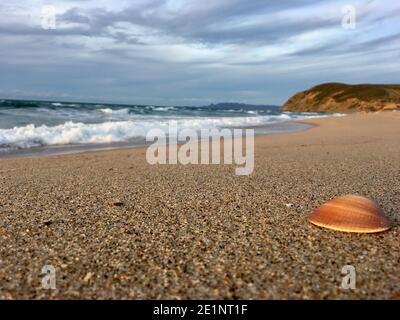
[(220, 105), (236, 105), (340, 97)]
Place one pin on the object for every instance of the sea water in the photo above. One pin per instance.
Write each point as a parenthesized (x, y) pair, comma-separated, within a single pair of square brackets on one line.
[(52, 124)]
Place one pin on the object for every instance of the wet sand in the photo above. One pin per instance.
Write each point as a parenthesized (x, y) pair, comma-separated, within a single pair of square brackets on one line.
[(200, 231)]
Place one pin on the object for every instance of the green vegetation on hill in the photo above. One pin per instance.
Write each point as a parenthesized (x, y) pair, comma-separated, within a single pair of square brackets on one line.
[(345, 97), (365, 92)]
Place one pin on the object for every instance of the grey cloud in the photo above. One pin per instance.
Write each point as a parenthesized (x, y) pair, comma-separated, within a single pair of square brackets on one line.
[(344, 47), (74, 15), (87, 57), (196, 23)]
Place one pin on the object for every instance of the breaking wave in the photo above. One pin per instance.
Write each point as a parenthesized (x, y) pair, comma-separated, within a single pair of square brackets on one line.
[(26, 124), (117, 131), (114, 111)]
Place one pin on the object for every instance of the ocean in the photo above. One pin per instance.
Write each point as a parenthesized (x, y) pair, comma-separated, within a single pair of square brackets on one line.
[(49, 125)]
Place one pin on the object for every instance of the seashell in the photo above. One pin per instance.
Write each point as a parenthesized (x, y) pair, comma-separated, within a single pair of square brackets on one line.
[(350, 214)]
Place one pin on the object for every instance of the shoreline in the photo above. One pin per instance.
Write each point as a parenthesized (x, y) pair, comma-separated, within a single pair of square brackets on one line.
[(200, 231), (58, 150)]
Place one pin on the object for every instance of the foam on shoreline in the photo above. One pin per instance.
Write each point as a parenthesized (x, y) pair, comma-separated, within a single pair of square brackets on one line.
[(70, 133), (59, 149)]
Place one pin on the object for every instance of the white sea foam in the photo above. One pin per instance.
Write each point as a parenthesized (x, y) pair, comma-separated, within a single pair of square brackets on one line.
[(59, 104), (163, 108), (114, 111), (105, 110), (118, 131)]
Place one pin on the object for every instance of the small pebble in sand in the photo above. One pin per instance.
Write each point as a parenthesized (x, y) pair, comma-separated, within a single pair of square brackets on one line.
[(88, 276), (117, 203)]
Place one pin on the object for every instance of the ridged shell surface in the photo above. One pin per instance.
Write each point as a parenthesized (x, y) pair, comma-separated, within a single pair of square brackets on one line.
[(351, 214)]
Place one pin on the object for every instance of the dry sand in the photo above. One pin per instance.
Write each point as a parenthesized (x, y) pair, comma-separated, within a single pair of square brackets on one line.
[(201, 232)]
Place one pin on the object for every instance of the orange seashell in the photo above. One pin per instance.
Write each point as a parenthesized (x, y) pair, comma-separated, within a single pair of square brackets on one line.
[(350, 214)]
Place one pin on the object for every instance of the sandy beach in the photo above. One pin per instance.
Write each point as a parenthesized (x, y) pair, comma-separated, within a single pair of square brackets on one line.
[(200, 231)]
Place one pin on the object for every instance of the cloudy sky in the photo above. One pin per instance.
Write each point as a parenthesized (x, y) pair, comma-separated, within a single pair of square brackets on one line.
[(193, 52)]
